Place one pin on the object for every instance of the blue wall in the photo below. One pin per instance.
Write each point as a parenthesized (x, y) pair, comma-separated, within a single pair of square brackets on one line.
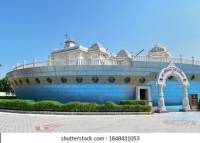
[(77, 92)]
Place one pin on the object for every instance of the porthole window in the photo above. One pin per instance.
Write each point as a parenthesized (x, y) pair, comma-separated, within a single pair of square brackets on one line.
[(111, 79), (142, 80), (95, 79), (63, 79), (15, 82), (27, 81), (127, 80), (192, 77), (20, 81), (49, 80), (37, 80), (79, 79), (170, 77)]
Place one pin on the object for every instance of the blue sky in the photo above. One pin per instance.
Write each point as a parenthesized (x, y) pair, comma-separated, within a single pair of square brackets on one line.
[(32, 29)]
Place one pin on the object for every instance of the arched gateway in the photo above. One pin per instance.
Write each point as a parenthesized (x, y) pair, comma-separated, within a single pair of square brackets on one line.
[(172, 70)]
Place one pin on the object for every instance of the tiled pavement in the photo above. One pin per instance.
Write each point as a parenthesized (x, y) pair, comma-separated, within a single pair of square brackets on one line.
[(173, 122)]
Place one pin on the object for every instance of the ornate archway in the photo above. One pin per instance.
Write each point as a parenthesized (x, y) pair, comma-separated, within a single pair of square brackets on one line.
[(172, 70)]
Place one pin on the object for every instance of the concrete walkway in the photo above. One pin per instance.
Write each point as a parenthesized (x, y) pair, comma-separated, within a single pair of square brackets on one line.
[(173, 122)]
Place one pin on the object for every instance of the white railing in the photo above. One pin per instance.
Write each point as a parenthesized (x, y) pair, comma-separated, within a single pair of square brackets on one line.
[(121, 62), (164, 59)]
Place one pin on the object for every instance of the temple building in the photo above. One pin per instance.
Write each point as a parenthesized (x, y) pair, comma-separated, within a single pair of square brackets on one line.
[(93, 74)]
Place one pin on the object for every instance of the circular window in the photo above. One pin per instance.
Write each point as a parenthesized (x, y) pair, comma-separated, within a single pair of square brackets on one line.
[(111, 79), (27, 81), (95, 79), (142, 80), (49, 80), (79, 79), (15, 82), (127, 80), (170, 77), (63, 79), (20, 81), (37, 80), (192, 77)]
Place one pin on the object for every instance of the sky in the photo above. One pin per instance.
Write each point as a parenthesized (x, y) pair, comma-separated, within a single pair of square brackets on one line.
[(34, 28)]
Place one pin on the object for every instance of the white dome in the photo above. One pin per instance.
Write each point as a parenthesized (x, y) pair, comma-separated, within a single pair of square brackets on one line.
[(159, 51), (158, 48)]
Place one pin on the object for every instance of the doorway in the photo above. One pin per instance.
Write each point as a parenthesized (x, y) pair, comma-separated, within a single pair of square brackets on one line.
[(143, 94)]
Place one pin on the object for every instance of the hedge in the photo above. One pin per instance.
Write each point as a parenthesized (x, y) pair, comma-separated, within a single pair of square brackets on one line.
[(48, 105), (8, 97), (17, 104), (133, 102), (79, 107)]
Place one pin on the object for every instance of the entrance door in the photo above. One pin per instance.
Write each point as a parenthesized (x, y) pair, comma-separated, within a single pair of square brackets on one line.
[(143, 94)]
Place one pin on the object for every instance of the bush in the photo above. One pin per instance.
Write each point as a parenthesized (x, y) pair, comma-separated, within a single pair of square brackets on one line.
[(8, 97), (133, 102), (79, 107), (135, 108), (17, 104), (109, 106), (47, 105)]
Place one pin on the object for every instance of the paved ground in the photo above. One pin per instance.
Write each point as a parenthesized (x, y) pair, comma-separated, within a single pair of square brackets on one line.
[(173, 122)]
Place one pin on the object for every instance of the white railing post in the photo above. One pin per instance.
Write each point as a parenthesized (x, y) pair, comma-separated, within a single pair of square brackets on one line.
[(49, 60), (193, 60), (24, 63), (17, 65), (34, 62), (132, 56), (181, 58)]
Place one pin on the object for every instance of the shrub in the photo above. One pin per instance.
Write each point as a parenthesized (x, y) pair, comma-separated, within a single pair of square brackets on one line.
[(79, 106), (8, 97), (135, 108), (47, 105), (133, 102), (16, 104)]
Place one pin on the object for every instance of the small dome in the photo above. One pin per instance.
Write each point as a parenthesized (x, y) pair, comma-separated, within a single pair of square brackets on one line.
[(124, 54), (158, 48), (158, 51), (97, 47)]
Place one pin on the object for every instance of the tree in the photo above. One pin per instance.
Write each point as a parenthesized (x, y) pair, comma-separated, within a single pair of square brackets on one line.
[(5, 85)]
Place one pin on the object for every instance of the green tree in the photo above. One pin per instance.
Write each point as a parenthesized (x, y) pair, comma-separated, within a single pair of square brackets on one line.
[(5, 85)]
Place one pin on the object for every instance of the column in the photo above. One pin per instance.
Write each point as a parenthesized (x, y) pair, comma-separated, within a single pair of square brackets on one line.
[(24, 63), (161, 102), (185, 100), (49, 60)]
